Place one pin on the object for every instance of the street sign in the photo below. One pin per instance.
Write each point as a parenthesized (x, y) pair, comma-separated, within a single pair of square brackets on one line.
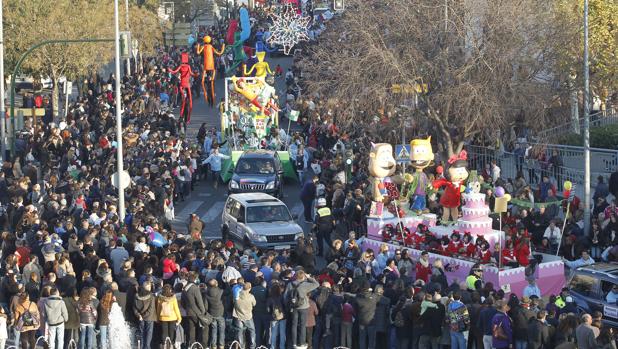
[(402, 153), (134, 48), (67, 87), (125, 179), (125, 44)]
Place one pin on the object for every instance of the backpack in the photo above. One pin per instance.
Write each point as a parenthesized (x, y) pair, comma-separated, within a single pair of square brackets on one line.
[(398, 319), (294, 299), (27, 319), (167, 310), (277, 311), (497, 332)]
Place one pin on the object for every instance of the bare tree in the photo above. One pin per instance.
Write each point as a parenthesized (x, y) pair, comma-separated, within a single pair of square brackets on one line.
[(468, 66)]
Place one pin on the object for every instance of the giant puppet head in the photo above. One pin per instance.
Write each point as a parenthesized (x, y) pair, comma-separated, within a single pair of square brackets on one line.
[(381, 161), (457, 170), (207, 39), (184, 58), (421, 153)]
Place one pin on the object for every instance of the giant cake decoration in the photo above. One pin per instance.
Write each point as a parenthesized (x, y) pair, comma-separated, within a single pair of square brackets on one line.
[(475, 215)]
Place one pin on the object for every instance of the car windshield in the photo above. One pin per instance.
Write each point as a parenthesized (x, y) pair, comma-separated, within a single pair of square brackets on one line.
[(269, 213), (255, 166)]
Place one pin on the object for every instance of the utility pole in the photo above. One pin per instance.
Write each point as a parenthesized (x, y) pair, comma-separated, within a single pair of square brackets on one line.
[(119, 167), (586, 125), (126, 8), (445, 16), (2, 110)]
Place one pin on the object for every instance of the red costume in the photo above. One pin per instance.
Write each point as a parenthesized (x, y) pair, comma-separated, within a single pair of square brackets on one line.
[(508, 255), (453, 247), (452, 192), (484, 256), (522, 254), (468, 249), (419, 239), (185, 84), (409, 238)]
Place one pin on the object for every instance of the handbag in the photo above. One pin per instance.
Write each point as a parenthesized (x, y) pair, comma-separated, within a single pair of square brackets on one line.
[(205, 319), (497, 332)]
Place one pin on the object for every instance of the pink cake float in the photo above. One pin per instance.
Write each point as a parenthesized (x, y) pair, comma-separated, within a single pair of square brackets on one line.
[(475, 215)]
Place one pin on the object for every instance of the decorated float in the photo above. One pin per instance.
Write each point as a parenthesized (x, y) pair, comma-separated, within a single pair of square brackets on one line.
[(399, 218)]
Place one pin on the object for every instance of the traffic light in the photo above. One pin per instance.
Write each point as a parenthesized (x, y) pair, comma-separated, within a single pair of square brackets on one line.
[(125, 45), (338, 5)]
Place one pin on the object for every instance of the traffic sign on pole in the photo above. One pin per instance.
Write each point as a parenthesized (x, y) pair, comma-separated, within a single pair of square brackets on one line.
[(402, 153)]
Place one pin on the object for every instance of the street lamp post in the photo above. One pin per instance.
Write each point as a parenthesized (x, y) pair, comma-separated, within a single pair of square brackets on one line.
[(586, 125), (119, 167), (2, 111), (126, 8)]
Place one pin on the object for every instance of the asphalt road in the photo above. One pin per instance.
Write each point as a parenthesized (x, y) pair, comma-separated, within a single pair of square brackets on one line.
[(207, 202)]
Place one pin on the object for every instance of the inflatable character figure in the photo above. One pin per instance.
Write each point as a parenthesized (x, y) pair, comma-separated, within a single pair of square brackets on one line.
[(421, 155), (210, 71), (451, 199), (185, 86), (261, 67), (381, 165), (237, 45), (249, 92)]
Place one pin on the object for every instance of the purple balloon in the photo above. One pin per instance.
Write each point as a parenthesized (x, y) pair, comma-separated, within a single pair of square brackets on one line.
[(499, 192)]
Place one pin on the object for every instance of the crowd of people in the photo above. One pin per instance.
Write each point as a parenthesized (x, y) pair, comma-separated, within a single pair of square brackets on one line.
[(68, 258)]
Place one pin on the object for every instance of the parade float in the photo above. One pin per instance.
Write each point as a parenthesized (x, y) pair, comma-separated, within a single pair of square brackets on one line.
[(399, 219)]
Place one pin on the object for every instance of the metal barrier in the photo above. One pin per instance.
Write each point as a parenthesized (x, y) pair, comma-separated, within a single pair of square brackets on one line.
[(598, 119), (602, 162)]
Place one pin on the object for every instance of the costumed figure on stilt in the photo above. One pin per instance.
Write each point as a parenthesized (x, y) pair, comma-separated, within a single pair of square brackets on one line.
[(185, 87), (261, 68), (210, 72), (451, 198), (237, 44)]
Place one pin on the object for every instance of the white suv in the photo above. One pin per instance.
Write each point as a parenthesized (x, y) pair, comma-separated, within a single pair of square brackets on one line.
[(259, 219)]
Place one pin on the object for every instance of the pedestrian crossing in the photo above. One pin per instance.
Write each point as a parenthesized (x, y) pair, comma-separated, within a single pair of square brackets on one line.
[(209, 207)]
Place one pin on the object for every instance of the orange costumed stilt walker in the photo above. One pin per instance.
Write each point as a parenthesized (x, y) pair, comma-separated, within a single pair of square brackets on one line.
[(209, 68), (185, 86)]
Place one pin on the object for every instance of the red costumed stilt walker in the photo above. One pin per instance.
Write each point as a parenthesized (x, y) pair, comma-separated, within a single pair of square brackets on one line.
[(185, 86)]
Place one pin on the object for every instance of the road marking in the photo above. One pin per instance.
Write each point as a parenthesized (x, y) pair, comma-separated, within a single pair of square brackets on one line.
[(190, 208), (213, 212), (204, 194)]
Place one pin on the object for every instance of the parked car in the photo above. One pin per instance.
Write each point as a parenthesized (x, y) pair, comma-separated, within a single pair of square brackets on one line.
[(590, 285), (258, 171), (259, 219)]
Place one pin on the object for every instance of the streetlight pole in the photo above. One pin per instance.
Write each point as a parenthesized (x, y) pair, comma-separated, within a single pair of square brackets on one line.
[(2, 110), (586, 125), (119, 167), (126, 8)]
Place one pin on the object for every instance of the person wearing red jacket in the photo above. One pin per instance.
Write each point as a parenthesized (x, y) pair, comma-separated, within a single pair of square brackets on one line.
[(455, 244), (522, 252), (468, 248), (484, 254), (508, 254), (423, 268), (419, 238), (444, 242), (408, 237), (169, 267)]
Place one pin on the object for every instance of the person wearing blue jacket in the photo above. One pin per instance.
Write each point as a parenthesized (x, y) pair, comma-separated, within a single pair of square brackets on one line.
[(503, 321), (214, 159)]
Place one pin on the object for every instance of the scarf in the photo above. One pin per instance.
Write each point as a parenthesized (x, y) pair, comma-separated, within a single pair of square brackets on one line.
[(423, 262)]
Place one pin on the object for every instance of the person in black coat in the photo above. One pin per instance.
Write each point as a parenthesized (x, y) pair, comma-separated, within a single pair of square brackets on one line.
[(538, 332), (214, 298), (193, 303), (613, 183), (432, 320)]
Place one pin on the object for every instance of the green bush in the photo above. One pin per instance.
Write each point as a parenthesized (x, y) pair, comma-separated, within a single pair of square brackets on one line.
[(600, 137)]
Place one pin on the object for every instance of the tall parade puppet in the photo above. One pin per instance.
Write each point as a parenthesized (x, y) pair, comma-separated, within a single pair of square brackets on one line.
[(451, 198), (260, 68), (421, 156), (185, 86), (381, 165), (210, 71)]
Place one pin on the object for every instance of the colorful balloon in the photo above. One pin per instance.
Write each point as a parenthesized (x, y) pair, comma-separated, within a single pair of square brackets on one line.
[(499, 192), (568, 185)]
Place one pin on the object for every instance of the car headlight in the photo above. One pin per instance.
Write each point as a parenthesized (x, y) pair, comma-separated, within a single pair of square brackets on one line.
[(257, 237), (270, 185), (299, 235), (233, 184)]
